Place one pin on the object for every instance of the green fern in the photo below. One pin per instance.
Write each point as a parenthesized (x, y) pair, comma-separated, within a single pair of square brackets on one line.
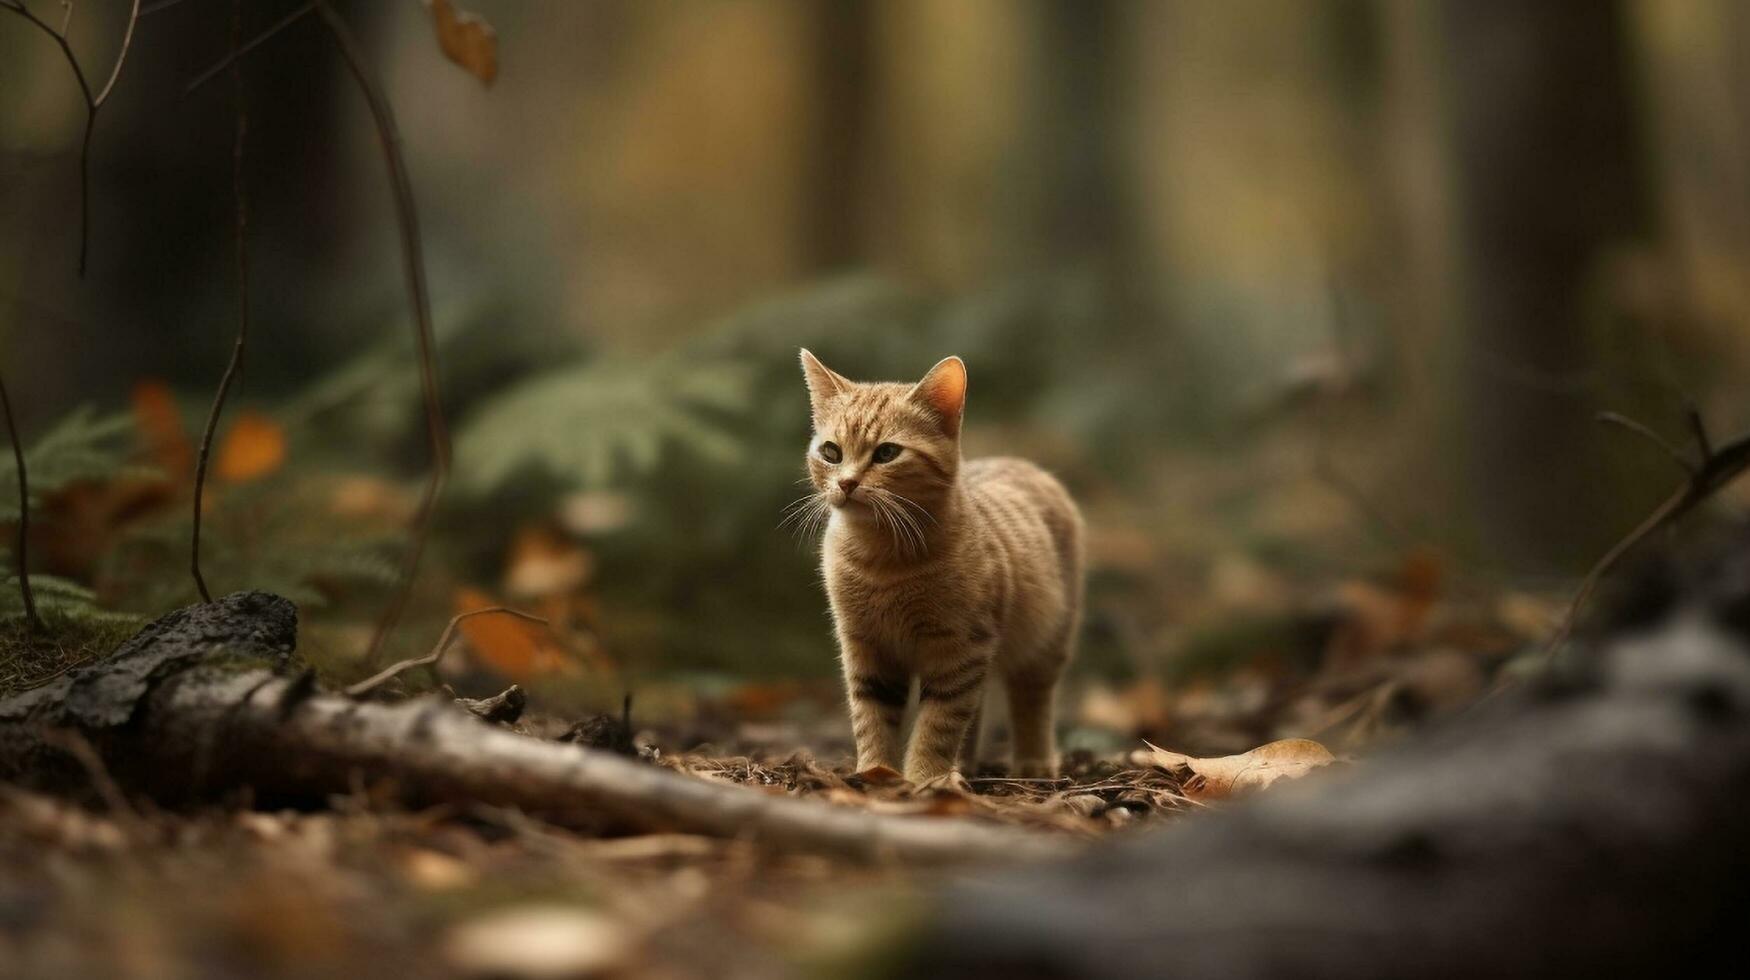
[(277, 539), (55, 595), (81, 446), (607, 421)]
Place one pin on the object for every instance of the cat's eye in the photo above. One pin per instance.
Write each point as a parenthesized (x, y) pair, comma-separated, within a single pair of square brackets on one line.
[(829, 451), (887, 452)]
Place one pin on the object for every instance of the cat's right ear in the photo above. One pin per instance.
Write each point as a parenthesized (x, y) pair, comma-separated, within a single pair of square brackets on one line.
[(823, 382)]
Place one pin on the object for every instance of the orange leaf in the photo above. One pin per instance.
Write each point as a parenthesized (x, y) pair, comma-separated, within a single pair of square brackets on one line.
[(160, 425), (1289, 758), (254, 447), (511, 647), (466, 40)]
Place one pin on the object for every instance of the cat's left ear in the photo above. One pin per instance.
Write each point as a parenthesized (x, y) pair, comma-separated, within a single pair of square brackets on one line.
[(943, 391), (823, 382)]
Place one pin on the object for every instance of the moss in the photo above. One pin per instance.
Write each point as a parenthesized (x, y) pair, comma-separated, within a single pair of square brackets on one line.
[(31, 657)]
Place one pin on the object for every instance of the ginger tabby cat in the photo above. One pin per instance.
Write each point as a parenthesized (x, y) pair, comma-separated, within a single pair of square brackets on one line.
[(938, 570)]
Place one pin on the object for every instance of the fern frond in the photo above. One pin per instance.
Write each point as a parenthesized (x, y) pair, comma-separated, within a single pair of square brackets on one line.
[(605, 422), (82, 446)]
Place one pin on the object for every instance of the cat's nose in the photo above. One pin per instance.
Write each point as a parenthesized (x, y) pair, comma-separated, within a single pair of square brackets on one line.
[(847, 486)]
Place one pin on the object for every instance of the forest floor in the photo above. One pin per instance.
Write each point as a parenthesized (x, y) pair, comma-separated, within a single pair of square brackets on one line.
[(364, 887)]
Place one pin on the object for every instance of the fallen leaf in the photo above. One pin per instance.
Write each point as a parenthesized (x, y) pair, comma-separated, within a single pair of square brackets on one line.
[(434, 871), (1222, 777), (543, 563), (512, 647), (466, 40), (159, 420), (537, 942), (253, 447), (880, 776)]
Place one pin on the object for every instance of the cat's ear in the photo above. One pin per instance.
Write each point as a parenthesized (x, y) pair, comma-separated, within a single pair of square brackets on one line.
[(943, 391), (823, 382)]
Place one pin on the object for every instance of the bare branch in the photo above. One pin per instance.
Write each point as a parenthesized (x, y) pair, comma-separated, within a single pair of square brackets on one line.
[(121, 56), (414, 262), (92, 104), (22, 552), (1698, 429), (1646, 432), (437, 652), (241, 208), (159, 7), (238, 52), (1716, 471)]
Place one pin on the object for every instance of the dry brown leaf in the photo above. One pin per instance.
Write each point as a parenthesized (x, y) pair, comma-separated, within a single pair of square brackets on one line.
[(881, 776), (254, 446), (466, 40), (160, 423), (512, 647), (1222, 777)]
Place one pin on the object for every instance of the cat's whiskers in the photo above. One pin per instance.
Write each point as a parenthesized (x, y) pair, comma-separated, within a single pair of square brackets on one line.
[(806, 513), (903, 523)]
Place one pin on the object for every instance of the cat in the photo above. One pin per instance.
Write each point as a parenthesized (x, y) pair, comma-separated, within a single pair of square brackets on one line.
[(939, 570)]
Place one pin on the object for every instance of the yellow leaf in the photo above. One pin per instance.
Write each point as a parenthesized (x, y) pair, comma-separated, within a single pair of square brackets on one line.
[(254, 447), (466, 40), (1222, 777)]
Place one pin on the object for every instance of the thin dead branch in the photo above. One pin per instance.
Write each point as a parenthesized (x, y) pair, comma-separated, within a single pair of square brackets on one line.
[(413, 261), (238, 51), (93, 102), (240, 206), (1647, 433), (21, 552), (1716, 470), (413, 258), (437, 652)]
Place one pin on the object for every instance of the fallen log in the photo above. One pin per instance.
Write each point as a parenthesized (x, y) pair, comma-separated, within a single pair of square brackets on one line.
[(213, 698), (1591, 823)]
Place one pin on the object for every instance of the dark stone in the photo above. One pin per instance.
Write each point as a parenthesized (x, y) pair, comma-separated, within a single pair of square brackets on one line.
[(257, 628)]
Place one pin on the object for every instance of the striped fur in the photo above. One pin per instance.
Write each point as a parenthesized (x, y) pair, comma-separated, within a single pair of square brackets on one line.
[(941, 571)]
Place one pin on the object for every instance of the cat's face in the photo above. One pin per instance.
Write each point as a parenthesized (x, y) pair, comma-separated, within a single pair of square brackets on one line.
[(882, 446)]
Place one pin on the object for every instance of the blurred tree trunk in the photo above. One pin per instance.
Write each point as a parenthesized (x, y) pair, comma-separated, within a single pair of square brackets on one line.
[(833, 232), (1547, 176)]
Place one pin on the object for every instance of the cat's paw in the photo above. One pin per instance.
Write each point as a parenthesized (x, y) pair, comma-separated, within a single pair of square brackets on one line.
[(921, 775), (1036, 768)]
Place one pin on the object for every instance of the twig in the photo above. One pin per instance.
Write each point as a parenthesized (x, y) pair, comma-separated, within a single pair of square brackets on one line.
[(239, 51), (1646, 432), (1717, 469), (413, 258), (22, 553), (92, 104), (437, 652), (241, 207)]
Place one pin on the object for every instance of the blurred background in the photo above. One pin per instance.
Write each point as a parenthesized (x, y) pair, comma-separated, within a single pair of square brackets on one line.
[(1312, 304)]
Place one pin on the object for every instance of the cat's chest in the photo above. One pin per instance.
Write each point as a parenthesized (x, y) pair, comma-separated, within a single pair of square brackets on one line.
[(901, 612)]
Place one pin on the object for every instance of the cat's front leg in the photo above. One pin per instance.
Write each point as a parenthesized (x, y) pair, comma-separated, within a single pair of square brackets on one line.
[(877, 690), (948, 698)]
